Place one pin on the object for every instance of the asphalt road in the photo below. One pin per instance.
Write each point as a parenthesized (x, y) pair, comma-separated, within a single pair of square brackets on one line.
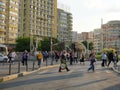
[(78, 78)]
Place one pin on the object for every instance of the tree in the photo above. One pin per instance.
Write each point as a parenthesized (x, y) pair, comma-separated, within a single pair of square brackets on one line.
[(90, 46), (86, 44), (45, 44), (23, 43)]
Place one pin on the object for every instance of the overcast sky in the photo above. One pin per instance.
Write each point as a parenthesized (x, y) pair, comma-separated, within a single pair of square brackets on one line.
[(87, 14)]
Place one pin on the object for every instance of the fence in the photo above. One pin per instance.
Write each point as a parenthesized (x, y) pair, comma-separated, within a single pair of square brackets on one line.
[(17, 67)]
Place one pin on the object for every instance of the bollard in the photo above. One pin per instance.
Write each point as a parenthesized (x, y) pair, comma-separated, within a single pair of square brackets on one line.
[(26, 67), (19, 67), (46, 62), (10, 67), (119, 68), (33, 65)]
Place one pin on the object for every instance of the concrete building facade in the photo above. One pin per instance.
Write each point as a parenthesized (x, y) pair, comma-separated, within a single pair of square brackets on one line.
[(38, 18), (111, 35), (64, 25), (9, 21), (97, 40)]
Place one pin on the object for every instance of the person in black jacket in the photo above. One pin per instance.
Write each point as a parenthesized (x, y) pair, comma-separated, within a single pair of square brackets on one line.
[(110, 57)]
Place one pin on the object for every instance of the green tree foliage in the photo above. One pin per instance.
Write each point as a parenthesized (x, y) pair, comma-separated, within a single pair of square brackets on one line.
[(45, 44), (90, 46), (23, 43), (86, 44)]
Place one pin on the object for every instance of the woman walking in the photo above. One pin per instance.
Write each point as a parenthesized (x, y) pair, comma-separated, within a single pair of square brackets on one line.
[(92, 61)]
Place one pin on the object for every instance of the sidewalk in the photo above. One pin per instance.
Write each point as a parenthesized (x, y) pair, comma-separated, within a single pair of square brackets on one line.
[(18, 70), (117, 69)]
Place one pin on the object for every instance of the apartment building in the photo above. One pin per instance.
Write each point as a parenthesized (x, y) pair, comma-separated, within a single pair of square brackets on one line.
[(38, 18), (74, 36), (9, 21), (98, 40), (111, 34), (64, 25), (79, 37)]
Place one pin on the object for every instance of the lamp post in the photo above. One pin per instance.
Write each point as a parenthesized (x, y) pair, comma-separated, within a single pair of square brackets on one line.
[(51, 48), (119, 43)]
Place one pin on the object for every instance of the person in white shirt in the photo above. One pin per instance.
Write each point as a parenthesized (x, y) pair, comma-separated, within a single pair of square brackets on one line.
[(13, 56)]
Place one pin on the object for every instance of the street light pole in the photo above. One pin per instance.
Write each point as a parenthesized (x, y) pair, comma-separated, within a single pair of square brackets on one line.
[(119, 43), (51, 49)]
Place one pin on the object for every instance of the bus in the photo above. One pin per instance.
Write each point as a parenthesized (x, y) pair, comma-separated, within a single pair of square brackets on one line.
[(3, 49)]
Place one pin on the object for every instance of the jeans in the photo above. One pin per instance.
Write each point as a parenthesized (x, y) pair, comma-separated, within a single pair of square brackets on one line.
[(92, 67)]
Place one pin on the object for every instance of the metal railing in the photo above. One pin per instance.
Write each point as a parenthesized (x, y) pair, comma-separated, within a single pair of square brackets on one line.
[(8, 68)]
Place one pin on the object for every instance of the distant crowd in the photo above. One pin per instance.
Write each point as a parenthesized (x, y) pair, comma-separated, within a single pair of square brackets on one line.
[(72, 57)]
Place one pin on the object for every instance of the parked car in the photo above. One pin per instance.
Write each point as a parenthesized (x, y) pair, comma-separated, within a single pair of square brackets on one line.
[(3, 58)]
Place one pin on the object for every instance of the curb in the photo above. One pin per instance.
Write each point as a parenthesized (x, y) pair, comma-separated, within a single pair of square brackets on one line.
[(115, 70), (14, 76)]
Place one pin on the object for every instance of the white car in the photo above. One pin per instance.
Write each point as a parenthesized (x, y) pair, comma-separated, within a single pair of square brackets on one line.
[(3, 58)]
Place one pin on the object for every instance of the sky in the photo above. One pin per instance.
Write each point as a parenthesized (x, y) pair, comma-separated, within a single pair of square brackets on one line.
[(87, 14)]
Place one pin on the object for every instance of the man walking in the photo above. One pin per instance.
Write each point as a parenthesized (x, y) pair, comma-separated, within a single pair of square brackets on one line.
[(25, 57), (110, 58), (63, 64)]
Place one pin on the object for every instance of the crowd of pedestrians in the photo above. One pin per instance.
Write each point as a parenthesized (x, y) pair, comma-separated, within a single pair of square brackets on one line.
[(109, 57), (65, 57)]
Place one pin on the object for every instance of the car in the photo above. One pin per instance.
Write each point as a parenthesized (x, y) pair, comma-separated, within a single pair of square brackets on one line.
[(3, 58)]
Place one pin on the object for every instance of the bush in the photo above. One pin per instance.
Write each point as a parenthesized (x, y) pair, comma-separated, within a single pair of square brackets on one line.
[(119, 57), (98, 57)]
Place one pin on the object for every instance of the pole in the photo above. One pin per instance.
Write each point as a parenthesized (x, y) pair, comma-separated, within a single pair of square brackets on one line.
[(88, 48), (51, 52), (102, 34)]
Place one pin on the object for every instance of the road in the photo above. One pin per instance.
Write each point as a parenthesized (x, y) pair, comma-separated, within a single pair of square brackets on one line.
[(78, 78)]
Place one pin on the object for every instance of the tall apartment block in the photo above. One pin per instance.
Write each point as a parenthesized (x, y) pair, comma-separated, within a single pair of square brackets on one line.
[(111, 35), (98, 40), (38, 18), (64, 25), (8, 21)]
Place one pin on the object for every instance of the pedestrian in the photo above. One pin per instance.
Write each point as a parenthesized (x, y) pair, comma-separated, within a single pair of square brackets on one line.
[(115, 59), (39, 58), (56, 56), (71, 58), (9, 56), (68, 56), (63, 64), (110, 57), (52, 54), (14, 55), (104, 59), (92, 61), (75, 57), (25, 58), (82, 59)]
